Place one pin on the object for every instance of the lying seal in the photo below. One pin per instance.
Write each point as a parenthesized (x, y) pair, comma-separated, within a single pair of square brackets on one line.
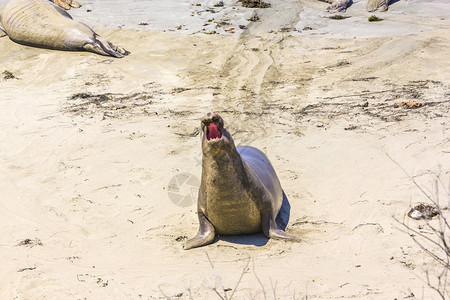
[(373, 5), (41, 23), (239, 193), (67, 4), (341, 5), (337, 5)]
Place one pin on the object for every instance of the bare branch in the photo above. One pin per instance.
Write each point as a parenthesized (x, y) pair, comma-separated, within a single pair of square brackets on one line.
[(259, 281), (273, 289), (240, 278), (412, 179), (217, 280), (419, 233), (439, 234)]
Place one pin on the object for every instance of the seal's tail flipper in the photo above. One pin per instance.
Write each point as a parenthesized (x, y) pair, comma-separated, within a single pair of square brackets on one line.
[(75, 4), (280, 234), (205, 235), (272, 231), (101, 46), (338, 6), (2, 31), (67, 4), (61, 3)]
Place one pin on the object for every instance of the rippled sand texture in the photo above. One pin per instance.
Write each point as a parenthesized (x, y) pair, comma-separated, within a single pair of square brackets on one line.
[(90, 148)]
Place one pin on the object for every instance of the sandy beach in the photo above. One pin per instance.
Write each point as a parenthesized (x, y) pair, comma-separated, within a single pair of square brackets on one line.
[(100, 158)]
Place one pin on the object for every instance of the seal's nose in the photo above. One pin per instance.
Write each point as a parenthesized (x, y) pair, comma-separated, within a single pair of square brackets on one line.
[(211, 117), (207, 118)]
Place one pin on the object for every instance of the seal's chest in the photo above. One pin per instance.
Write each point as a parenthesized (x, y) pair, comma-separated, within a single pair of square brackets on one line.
[(233, 212)]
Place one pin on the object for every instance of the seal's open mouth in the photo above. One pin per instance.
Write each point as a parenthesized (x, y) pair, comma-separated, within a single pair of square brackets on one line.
[(213, 132)]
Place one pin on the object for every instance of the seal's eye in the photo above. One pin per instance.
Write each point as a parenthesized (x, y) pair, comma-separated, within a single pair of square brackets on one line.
[(213, 132)]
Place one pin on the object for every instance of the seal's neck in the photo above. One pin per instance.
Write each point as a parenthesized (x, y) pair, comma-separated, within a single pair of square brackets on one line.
[(223, 169)]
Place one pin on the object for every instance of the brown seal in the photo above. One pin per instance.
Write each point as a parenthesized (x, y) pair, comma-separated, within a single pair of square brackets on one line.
[(337, 5), (239, 192), (341, 5), (373, 5), (67, 4), (40, 23)]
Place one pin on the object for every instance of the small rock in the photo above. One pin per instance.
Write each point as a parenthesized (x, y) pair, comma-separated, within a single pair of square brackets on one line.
[(8, 75), (423, 211), (254, 18)]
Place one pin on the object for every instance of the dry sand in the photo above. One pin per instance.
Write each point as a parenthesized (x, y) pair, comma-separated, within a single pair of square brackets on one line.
[(89, 146)]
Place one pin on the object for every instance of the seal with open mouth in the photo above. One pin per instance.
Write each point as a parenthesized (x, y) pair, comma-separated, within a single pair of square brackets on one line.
[(40, 23), (239, 192)]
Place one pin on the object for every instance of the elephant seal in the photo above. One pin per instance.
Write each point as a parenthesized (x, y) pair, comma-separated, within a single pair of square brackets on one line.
[(341, 5), (239, 192), (337, 5), (67, 4), (373, 5), (40, 23)]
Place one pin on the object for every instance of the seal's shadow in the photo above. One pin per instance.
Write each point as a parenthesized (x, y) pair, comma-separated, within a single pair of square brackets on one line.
[(260, 239), (392, 2), (349, 4)]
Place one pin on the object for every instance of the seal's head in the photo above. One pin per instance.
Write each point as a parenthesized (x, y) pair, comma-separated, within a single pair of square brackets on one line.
[(216, 138)]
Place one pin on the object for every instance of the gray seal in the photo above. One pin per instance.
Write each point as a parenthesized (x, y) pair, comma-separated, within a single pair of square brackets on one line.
[(337, 5), (239, 192), (40, 23), (67, 4), (373, 5), (341, 5)]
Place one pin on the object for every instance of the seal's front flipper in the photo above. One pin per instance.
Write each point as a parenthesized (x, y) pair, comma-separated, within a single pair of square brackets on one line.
[(101, 46), (205, 234), (276, 233), (271, 229), (62, 3), (67, 4)]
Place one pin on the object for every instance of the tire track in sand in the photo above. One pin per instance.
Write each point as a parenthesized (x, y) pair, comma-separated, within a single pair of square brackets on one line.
[(243, 76)]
